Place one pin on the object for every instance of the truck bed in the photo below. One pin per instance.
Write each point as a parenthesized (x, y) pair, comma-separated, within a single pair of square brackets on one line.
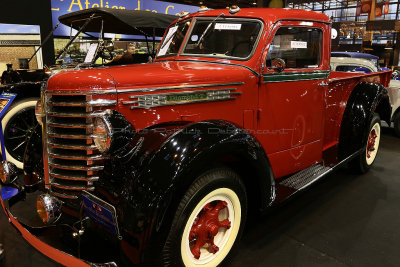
[(340, 86)]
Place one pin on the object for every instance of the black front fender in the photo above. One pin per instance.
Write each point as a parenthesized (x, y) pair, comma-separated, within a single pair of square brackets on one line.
[(153, 172)]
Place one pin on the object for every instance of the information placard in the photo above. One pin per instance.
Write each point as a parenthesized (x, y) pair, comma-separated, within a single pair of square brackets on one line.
[(5, 101)]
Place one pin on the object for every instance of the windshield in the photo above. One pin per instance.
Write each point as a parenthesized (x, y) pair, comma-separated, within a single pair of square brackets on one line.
[(107, 52), (223, 38), (76, 52), (173, 39)]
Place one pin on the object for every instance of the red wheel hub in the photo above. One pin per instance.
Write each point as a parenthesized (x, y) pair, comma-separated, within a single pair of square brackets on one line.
[(206, 227), (371, 142)]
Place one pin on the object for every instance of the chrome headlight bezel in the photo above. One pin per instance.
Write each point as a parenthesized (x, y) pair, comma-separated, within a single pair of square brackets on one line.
[(8, 171), (48, 208), (102, 133)]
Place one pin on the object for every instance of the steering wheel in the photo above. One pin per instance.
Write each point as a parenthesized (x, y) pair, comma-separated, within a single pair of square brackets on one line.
[(105, 54), (105, 50)]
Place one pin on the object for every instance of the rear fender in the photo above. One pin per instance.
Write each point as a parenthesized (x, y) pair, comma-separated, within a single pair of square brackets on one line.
[(365, 100)]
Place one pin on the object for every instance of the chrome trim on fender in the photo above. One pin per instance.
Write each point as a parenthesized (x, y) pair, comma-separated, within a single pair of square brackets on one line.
[(157, 100), (177, 87)]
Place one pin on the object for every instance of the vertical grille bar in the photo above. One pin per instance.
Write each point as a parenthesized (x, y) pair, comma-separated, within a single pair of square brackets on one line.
[(71, 157)]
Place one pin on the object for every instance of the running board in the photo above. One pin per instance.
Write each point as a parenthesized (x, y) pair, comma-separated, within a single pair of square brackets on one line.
[(287, 187), (306, 177)]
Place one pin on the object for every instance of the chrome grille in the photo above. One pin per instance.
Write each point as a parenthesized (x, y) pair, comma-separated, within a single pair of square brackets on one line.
[(73, 160)]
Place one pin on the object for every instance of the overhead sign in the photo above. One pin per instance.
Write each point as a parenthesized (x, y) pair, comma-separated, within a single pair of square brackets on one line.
[(61, 7)]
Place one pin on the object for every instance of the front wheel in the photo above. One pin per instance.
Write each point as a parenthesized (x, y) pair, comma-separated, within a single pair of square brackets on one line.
[(208, 222), (364, 161), (18, 125)]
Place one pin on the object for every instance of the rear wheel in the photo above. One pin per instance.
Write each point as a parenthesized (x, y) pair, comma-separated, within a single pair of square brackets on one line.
[(18, 125), (208, 222), (366, 159)]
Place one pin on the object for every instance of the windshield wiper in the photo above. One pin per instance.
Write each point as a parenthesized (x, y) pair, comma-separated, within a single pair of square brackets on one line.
[(208, 27)]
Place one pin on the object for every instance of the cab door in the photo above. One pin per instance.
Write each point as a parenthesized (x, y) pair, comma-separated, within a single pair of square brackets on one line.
[(291, 96)]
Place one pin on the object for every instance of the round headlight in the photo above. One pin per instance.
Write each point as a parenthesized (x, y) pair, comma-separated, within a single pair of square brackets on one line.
[(101, 135), (48, 208), (39, 112), (8, 171), (3, 175)]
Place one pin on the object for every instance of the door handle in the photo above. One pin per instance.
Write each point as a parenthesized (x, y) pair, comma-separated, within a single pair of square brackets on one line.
[(323, 84)]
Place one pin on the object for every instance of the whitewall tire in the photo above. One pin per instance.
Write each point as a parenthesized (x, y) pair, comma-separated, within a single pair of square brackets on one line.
[(18, 123), (208, 221), (373, 143), (224, 239), (363, 162)]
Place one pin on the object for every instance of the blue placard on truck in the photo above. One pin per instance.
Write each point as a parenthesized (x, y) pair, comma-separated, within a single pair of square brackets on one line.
[(5, 101)]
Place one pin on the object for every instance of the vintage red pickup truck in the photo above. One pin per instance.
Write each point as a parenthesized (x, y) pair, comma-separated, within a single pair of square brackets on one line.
[(160, 163)]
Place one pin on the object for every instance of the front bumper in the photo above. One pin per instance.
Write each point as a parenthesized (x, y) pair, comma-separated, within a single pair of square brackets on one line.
[(62, 241), (51, 252)]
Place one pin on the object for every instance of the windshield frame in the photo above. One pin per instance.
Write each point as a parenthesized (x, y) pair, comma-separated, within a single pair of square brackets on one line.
[(210, 19), (165, 35)]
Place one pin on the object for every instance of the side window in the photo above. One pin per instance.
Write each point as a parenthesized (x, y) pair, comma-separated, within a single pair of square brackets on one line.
[(299, 47)]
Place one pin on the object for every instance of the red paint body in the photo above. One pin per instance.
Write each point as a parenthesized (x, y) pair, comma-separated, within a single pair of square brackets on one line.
[(294, 121)]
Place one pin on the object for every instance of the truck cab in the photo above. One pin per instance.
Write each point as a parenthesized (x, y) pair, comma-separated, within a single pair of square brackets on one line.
[(238, 112)]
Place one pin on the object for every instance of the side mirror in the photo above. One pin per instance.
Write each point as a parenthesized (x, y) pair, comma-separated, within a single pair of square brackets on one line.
[(278, 64)]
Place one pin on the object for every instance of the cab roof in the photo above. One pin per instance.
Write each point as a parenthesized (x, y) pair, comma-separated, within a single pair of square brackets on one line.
[(271, 15)]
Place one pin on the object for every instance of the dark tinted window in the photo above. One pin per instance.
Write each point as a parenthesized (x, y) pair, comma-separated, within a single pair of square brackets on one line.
[(299, 47)]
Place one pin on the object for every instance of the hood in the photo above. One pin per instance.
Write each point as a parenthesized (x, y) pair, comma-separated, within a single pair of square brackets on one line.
[(168, 73), (81, 80)]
